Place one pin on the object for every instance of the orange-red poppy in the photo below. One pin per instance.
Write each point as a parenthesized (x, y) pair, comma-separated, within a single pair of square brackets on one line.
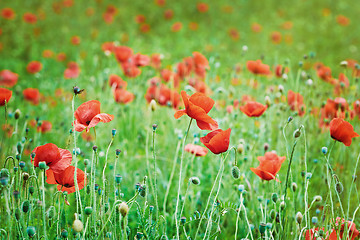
[(88, 115), (199, 151), (276, 37), (75, 40), (279, 70), (296, 102), (324, 73), (41, 126), (176, 27), (352, 231), (123, 96), (5, 95), (61, 57), (140, 18), (155, 60), (217, 141), (197, 107), (342, 20), (258, 68), (202, 7), (123, 53), (342, 131), (72, 70), (47, 53), (34, 67), (141, 60), (168, 14), (8, 13), (255, 27), (253, 109), (8, 78), (65, 179), (269, 166), (56, 158), (32, 95), (163, 95)]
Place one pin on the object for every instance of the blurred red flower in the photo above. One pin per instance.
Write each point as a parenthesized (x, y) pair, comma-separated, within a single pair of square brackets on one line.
[(296, 102), (30, 18), (88, 115), (8, 13), (199, 151), (32, 95), (217, 141), (72, 70), (5, 95), (34, 67), (269, 166), (258, 68), (342, 131), (123, 96), (8, 78), (202, 7), (197, 107), (117, 82)]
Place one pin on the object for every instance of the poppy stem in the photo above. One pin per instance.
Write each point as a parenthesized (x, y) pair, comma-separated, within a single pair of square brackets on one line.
[(155, 183), (43, 204), (177, 219)]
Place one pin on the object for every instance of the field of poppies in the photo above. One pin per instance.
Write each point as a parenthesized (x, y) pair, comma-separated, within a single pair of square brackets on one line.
[(179, 119)]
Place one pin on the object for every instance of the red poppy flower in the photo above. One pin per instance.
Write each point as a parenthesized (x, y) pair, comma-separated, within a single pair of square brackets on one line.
[(296, 102), (34, 67), (140, 18), (8, 13), (122, 53), (160, 3), (342, 20), (276, 37), (202, 7), (269, 166), (65, 179), (30, 18), (141, 60), (199, 151), (41, 126), (163, 95), (8, 78), (155, 60), (217, 141), (279, 70), (168, 14), (176, 27), (312, 234), (117, 82), (75, 40), (47, 53), (130, 69), (342, 131), (61, 57), (8, 129), (253, 109), (324, 73), (123, 96), (197, 107), (32, 95), (72, 70), (5, 95), (108, 47), (56, 158), (353, 232), (255, 27), (258, 68), (88, 115)]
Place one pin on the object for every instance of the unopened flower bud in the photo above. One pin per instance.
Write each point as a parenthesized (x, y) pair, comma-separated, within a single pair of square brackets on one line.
[(78, 226), (235, 172), (152, 105), (317, 198), (124, 209), (17, 114), (195, 180), (42, 165), (299, 217)]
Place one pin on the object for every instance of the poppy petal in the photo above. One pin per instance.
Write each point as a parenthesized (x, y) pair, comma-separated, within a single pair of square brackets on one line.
[(63, 163), (102, 117), (179, 113), (50, 178)]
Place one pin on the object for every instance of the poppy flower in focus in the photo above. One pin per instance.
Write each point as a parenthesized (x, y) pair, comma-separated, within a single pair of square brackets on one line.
[(176, 27), (5, 95), (253, 109), (269, 166), (117, 82), (88, 115), (217, 141), (30, 18), (8, 78), (34, 67), (296, 102), (199, 151), (72, 70), (352, 231), (65, 179), (258, 68), (202, 7), (32, 95), (8, 13), (57, 159), (123, 96), (197, 107), (342, 131)]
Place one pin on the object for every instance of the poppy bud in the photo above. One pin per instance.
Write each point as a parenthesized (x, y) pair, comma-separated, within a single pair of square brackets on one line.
[(262, 228), (241, 188), (339, 187), (77, 226), (266, 146), (314, 220), (274, 197), (235, 172), (151, 209), (64, 233), (42, 165), (139, 235), (117, 151), (267, 101), (317, 198), (195, 180), (94, 148), (113, 132), (344, 63), (124, 209), (293, 186), (88, 210), (272, 214), (86, 162), (290, 119), (299, 217), (154, 126), (324, 150), (31, 190), (25, 206), (282, 205), (183, 220), (118, 178), (31, 231), (152, 105), (51, 212), (297, 133), (21, 164), (240, 148)]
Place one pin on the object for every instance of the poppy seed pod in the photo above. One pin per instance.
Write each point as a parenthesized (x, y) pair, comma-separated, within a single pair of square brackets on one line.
[(64, 233), (25, 206), (42, 165), (183, 220), (297, 133), (113, 132), (274, 197), (262, 228), (124, 209), (17, 114), (78, 226), (154, 127), (31, 231), (88, 210), (195, 180)]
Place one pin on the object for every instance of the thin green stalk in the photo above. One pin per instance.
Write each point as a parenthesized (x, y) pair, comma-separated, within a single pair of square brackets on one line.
[(43, 204), (155, 182)]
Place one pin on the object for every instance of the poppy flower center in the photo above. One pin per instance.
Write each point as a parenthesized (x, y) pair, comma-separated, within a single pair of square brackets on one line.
[(87, 122)]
